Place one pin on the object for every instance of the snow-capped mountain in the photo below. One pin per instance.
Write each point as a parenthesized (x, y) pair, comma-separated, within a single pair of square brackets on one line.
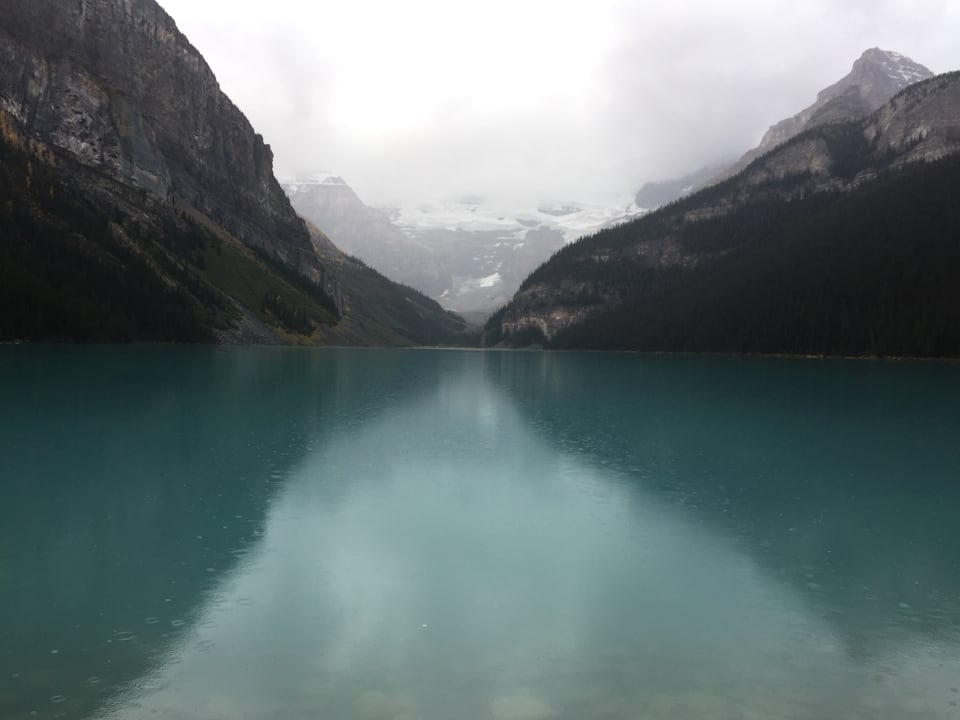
[(876, 76), (490, 251), (469, 254), (474, 214)]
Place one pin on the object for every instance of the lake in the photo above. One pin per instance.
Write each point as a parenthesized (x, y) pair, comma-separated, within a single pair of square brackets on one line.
[(450, 535)]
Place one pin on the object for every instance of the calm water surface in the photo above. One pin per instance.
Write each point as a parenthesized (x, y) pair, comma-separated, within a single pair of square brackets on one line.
[(430, 535)]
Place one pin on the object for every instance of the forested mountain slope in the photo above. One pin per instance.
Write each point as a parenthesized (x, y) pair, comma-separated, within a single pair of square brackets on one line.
[(845, 240), (138, 204)]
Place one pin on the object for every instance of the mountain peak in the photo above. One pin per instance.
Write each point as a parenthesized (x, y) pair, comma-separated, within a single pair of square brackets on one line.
[(322, 178), (876, 76), (884, 57), (876, 54), (879, 74)]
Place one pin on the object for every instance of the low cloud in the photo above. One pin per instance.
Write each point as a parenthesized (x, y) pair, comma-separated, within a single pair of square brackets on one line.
[(536, 101)]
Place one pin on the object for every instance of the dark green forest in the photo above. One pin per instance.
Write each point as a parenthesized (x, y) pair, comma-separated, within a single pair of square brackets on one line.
[(874, 272), (64, 275), (389, 310), (73, 270)]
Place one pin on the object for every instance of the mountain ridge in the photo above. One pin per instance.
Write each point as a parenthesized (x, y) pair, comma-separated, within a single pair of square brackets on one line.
[(467, 253), (670, 258), (141, 205), (119, 89), (875, 77)]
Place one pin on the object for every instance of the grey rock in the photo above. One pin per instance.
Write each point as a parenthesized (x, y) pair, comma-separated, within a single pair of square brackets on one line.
[(113, 86), (876, 76)]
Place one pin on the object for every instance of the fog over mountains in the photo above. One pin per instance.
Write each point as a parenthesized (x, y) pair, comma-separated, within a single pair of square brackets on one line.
[(536, 101), (139, 203), (842, 240), (876, 77), (471, 255), (142, 205), (468, 254)]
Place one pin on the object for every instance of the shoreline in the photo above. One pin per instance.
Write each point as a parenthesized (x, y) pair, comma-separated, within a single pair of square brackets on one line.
[(648, 353)]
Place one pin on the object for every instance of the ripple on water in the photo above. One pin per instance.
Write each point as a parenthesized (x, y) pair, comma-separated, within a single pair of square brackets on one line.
[(521, 707), (150, 685)]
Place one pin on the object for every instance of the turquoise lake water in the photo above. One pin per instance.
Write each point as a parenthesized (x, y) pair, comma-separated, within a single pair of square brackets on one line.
[(442, 535)]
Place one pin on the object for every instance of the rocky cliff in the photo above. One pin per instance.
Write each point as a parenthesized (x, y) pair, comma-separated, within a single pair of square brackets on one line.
[(920, 123), (114, 86), (139, 203), (876, 76)]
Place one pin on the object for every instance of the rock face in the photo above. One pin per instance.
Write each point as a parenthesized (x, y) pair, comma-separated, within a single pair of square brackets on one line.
[(688, 261), (876, 77), (137, 203), (114, 86), (920, 124)]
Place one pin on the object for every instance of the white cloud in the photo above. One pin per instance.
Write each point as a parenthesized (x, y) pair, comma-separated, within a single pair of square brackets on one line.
[(548, 100)]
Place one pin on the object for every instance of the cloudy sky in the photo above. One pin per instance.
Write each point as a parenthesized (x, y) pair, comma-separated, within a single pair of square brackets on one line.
[(536, 100)]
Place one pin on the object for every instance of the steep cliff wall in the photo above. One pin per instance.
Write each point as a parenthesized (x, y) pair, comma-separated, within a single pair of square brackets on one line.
[(113, 86), (876, 77)]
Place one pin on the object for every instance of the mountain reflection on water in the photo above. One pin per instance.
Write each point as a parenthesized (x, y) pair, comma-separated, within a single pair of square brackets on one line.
[(440, 534), (838, 477), (133, 480)]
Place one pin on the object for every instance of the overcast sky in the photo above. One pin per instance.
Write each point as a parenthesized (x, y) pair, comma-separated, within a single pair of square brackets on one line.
[(537, 100)]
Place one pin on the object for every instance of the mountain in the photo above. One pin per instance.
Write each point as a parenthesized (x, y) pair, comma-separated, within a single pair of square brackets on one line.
[(876, 76), (468, 254), (139, 203), (365, 232), (486, 250), (378, 311), (843, 241), (656, 193)]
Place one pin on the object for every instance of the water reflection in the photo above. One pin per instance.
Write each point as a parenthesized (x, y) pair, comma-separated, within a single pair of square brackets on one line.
[(133, 481), (532, 536), (838, 476)]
